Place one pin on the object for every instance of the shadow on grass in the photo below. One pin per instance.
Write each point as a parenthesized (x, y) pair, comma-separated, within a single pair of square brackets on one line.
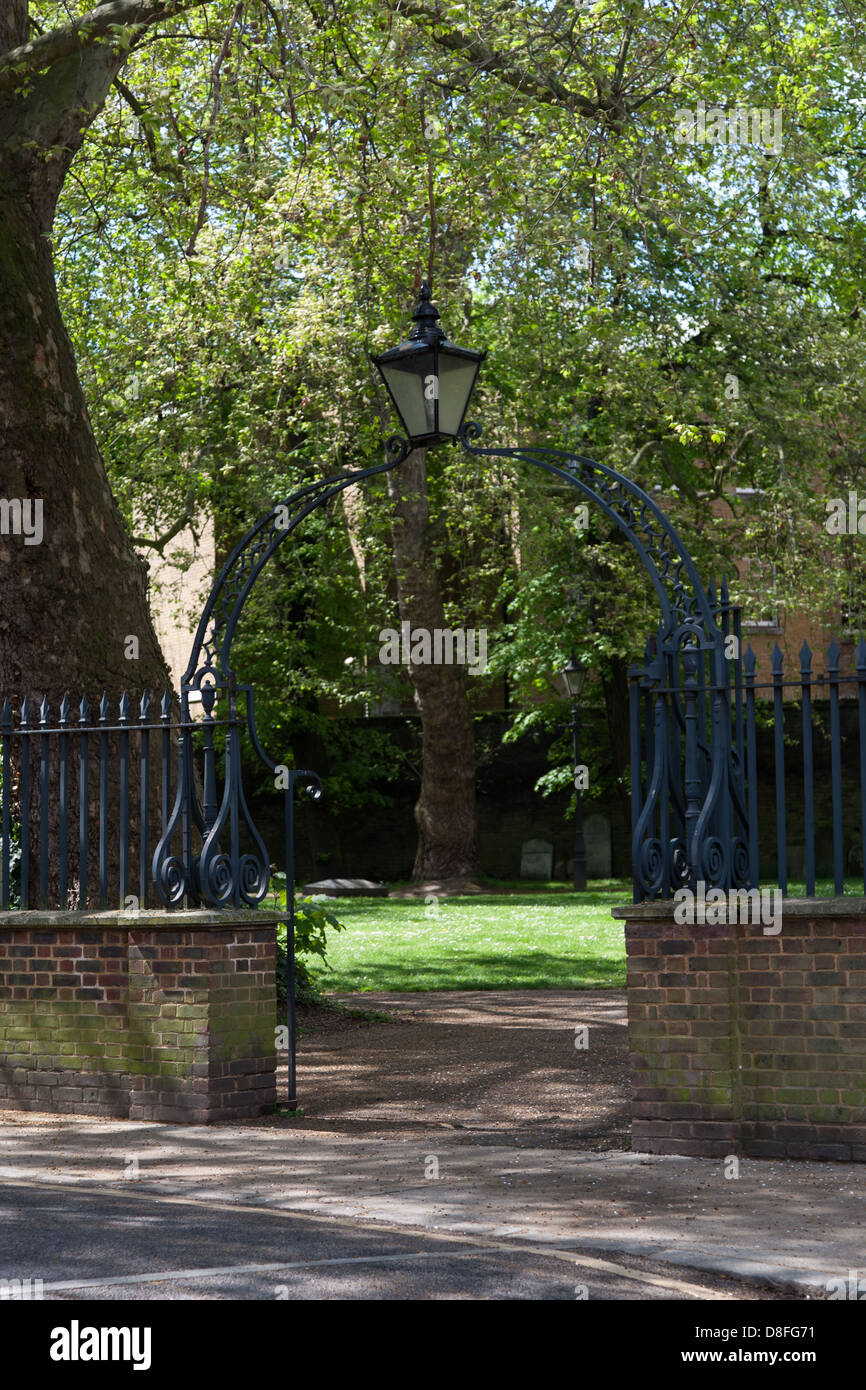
[(530, 970), (370, 907)]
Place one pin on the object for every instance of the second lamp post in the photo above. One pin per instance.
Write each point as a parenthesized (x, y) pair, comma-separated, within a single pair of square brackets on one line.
[(574, 675)]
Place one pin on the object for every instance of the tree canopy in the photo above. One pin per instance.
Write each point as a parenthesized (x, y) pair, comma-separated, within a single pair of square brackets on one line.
[(265, 183)]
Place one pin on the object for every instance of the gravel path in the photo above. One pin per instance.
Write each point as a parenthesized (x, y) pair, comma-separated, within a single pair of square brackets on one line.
[(499, 1066)]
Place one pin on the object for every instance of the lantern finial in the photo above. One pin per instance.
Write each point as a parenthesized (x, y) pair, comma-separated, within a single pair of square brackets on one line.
[(425, 316)]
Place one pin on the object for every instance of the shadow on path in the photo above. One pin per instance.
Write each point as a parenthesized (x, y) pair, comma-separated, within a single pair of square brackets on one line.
[(531, 1068)]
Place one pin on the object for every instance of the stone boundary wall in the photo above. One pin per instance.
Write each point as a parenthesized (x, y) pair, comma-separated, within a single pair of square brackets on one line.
[(166, 1016), (745, 1043)]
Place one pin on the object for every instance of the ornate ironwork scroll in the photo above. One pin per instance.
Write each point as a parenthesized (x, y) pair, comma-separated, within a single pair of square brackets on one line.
[(689, 821), (689, 816), (221, 875)]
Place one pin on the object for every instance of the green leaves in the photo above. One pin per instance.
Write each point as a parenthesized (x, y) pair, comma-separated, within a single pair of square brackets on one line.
[(632, 288), (313, 921)]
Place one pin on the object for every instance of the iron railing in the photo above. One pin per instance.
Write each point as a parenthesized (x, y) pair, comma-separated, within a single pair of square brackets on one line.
[(115, 808), (699, 817)]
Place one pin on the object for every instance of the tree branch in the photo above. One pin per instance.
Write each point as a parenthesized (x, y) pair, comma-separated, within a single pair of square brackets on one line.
[(541, 85), (800, 281), (162, 541), (215, 80), (21, 63), (139, 112)]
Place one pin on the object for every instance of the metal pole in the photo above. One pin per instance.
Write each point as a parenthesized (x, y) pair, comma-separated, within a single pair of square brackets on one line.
[(579, 868), (290, 939)]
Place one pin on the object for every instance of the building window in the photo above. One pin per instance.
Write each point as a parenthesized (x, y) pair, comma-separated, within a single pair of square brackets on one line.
[(761, 608), (853, 606)]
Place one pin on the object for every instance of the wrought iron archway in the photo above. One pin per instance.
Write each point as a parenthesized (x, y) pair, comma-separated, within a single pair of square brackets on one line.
[(689, 819)]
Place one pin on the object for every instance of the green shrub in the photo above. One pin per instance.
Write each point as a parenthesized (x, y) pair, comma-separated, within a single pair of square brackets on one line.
[(14, 860), (312, 922)]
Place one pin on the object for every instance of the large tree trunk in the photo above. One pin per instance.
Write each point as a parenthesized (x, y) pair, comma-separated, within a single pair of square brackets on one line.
[(71, 601), (445, 813), (73, 593)]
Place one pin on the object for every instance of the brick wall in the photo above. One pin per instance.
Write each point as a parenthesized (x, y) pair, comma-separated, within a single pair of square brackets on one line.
[(154, 1016), (746, 1043)]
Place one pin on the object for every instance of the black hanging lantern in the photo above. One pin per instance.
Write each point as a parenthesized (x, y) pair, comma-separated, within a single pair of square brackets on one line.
[(429, 380), (574, 675)]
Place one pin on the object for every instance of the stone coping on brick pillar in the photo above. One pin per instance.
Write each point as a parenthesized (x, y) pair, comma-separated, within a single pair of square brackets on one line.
[(744, 1041), (123, 919), (149, 1015), (793, 907)]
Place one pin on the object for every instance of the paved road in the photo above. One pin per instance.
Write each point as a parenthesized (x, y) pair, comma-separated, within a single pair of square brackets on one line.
[(94, 1244)]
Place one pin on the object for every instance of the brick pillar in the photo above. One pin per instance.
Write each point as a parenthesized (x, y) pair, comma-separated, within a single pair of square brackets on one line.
[(682, 1037), (150, 1015), (746, 1042)]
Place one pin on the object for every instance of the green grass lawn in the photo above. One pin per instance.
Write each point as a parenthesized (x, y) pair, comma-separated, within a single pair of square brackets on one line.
[(516, 941), (544, 938)]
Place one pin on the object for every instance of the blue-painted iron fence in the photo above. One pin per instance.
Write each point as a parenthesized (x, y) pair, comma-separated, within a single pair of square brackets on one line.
[(100, 807), (698, 748), (116, 808)]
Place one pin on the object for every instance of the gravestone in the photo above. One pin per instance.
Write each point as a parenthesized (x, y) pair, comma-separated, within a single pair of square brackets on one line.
[(596, 832), (536, 859)]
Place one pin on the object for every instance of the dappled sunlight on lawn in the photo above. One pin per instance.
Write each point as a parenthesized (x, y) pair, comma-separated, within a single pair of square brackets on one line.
[(519, 941)]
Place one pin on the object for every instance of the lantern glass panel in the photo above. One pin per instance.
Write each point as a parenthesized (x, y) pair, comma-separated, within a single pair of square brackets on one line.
[(456, 380), (574, 674), (409, 381)]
